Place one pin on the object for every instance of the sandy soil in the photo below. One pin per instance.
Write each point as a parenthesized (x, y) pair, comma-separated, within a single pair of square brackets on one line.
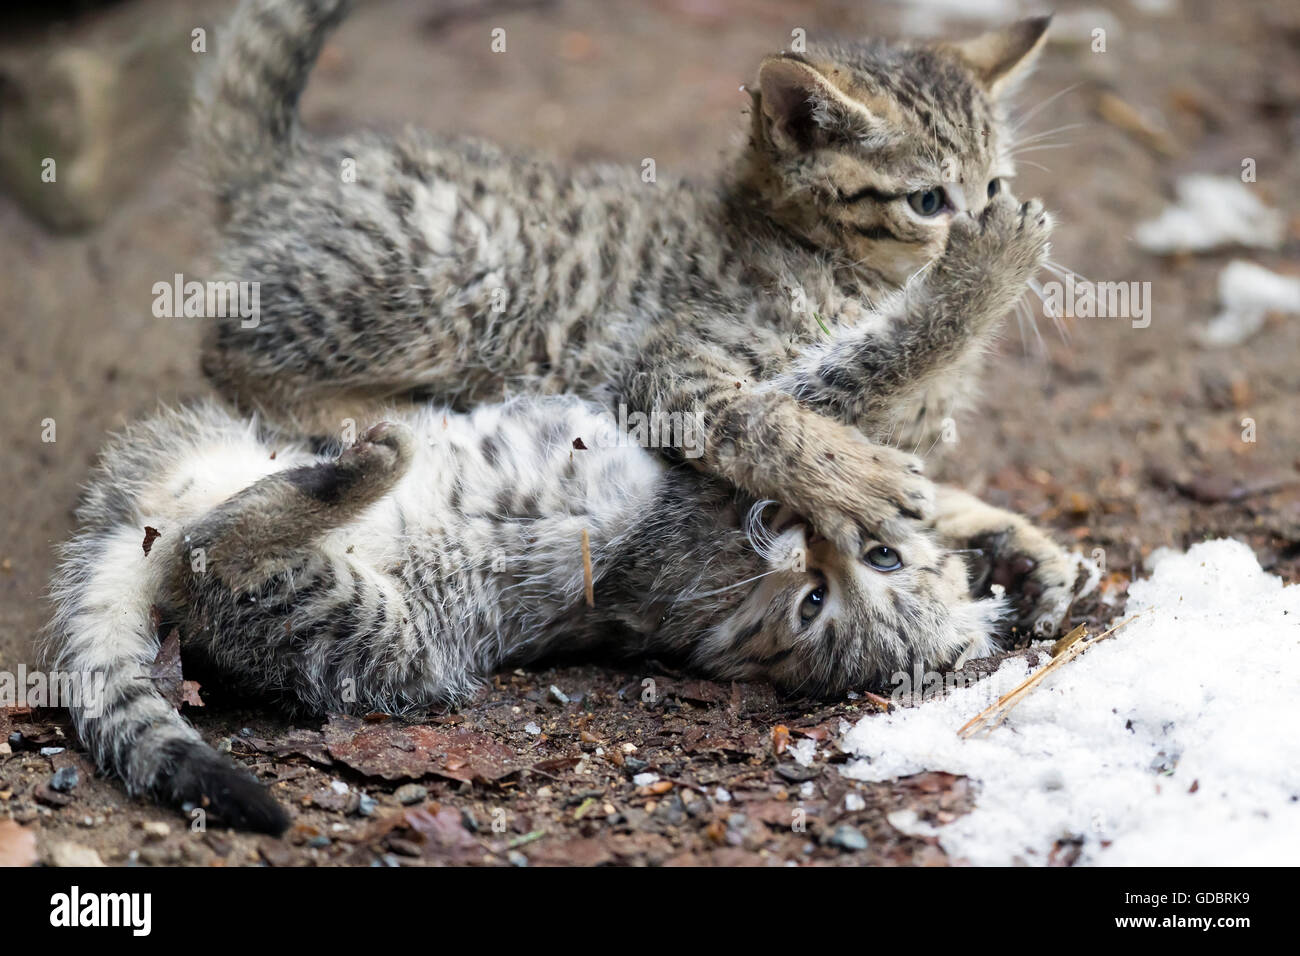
[(1123, 439)]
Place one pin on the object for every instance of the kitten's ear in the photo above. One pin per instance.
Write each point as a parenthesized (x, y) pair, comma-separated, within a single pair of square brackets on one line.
[(804, 110), (1003, 58)]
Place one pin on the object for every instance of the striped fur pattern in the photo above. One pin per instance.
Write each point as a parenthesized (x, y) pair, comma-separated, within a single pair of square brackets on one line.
[(808, 304), (397, 573)]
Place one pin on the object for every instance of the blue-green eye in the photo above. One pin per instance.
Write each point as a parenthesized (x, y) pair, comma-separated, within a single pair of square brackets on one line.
[(995, 187), (813, 603), (927, 203), (883, 558)]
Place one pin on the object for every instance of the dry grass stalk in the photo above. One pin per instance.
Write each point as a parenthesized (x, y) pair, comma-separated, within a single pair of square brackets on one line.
[(1065, 650), (587, 580)]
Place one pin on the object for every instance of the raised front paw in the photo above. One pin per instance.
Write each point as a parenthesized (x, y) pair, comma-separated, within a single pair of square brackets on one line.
[(869, 493), (997, 253)]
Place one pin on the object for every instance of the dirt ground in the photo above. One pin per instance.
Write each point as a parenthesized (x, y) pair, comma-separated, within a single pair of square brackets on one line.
[(1122, 439)]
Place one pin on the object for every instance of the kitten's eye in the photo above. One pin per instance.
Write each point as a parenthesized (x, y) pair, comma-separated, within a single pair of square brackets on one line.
[(927, 203), (995, 187), (812, 604), (883, 558)]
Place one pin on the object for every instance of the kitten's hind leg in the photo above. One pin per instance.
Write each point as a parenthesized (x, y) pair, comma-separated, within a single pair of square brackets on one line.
[(252, 534)]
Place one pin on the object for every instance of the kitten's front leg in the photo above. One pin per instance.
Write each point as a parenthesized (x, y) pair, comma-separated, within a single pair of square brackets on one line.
[(943, 318), (762, 440), (1037, 573)]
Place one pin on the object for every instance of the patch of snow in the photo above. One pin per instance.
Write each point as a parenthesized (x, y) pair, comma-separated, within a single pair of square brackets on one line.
[(908, 823), (1172, 743), (804, 751), (1210, 212), (1246, 292)]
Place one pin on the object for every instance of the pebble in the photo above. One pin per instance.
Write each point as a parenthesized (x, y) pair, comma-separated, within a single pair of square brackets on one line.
[(854, 802), (73, 854), (645, 779), (65, 779), (156, 829), (516, 858), (532, 728), (367, 806), (410, 793), (848, 838), (558, 695), (51, 751)]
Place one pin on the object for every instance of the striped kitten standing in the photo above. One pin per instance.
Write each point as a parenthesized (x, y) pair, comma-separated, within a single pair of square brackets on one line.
[(828, 296)]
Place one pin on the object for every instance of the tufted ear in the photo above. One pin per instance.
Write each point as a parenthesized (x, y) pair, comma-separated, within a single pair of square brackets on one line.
[(804, 110), (1002, 58)]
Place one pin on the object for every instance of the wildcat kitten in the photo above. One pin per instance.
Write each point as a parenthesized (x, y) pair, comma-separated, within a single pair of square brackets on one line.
[(400, 573), (829, 295)]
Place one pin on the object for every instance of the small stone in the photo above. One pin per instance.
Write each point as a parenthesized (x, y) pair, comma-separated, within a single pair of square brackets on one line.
[(795, 773), (410, 793), (155, 830), (320, 842), (854, 802), (848, 838), (51, 751), (65, 779), (645, 779), (367, 805), (634, 764), (559, 696), (532, 728), (516, 858), (65, 853)]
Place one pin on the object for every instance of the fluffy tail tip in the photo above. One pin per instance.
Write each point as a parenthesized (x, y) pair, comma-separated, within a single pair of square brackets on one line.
[(229, 796)]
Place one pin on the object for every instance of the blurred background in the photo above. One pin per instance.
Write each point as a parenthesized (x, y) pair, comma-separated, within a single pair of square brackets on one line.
[(1120, 439)]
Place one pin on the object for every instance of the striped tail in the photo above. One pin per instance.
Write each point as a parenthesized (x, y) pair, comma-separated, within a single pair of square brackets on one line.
[(104, 594), (246, 106)]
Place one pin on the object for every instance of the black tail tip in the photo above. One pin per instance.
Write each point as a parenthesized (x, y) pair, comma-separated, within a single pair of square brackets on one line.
[(228, 796)]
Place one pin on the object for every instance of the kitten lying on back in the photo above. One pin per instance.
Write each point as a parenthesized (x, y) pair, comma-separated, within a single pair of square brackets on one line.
[(769, 303), (399, 574)]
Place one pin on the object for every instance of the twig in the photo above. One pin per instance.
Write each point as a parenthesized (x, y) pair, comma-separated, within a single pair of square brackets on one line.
[(1066, 649), (586, 569)]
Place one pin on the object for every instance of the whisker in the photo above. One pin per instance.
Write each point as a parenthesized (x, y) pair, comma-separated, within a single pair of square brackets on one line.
[(1038, 147), (1046, 133), (1019, 122), (729, 587)]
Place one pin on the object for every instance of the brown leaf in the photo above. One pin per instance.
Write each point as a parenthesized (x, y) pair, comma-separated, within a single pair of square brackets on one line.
[(150, 536), (401, 751), (17, 844), (167, 676)]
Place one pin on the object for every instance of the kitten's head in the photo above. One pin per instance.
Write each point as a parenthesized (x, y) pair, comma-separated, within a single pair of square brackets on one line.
[(820, 622), (868, 149)]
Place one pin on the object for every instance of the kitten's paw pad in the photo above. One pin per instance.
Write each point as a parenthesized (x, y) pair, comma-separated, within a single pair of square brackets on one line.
[(1035, 573)]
